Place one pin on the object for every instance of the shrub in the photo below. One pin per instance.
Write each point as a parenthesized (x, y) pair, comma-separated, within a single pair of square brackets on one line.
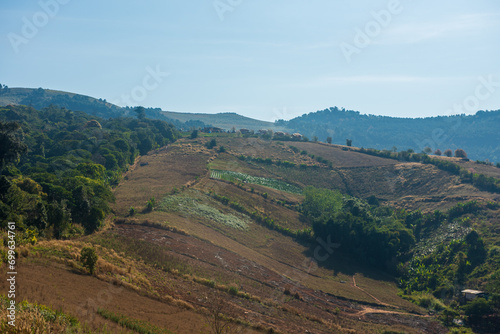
[(373, 200), (233, 290), (151, 204), (478, 308), (88, 257), (211, 144), (131, 211), (448, 153)]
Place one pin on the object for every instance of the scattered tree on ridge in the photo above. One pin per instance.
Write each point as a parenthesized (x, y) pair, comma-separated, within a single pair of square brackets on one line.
[(459, 153)]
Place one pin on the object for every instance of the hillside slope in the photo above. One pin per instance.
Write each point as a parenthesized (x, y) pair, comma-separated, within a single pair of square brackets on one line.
[(181, 177), (278, 237), (41, 98), (477, 134)]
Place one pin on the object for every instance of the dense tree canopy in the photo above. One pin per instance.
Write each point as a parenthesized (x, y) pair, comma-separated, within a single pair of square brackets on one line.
[(72, 159), (367, 233)]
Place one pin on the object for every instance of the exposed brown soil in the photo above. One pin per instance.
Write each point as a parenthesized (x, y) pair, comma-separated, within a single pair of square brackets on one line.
[(81, 295)]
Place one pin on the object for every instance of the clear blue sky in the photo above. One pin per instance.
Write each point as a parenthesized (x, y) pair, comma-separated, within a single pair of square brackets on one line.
[(260, 58)]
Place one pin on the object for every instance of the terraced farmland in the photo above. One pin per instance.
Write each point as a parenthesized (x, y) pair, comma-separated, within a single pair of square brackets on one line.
[(262, 181)]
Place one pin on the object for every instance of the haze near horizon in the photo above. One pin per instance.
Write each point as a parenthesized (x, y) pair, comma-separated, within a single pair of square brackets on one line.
[(259, 59)]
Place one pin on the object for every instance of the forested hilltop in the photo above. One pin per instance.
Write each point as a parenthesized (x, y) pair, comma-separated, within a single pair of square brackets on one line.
[(58, 165), (477, 134)]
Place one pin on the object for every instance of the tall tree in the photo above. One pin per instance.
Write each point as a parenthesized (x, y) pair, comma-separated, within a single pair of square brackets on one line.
[(141, 112), (11, 145)]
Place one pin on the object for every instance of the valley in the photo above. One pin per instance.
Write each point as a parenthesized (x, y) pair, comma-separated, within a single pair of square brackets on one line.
[(222, 218)]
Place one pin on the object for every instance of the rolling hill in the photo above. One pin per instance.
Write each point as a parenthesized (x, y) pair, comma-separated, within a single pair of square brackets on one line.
[(477, 134), (279, 237), (41, 98)]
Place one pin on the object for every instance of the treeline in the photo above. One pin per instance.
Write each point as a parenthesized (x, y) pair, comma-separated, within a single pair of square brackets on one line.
[(288, 164), (268, 161), (60, 179)]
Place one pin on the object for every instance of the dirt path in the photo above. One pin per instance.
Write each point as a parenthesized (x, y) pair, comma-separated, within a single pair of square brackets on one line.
[(371, 310), (372, 296)]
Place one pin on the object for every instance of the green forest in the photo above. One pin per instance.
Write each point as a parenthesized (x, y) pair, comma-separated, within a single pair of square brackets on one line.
[(476, 134), (58, 166)]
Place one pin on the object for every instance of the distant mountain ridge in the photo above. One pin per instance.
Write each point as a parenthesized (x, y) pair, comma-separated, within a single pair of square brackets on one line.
[(41, 98), (477, 134)]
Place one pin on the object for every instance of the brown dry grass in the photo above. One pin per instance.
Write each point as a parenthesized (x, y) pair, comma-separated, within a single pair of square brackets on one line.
[(341, 158), (81, 295), (170, 168)]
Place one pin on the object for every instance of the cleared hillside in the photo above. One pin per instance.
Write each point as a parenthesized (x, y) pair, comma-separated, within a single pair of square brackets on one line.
[(278, 236)]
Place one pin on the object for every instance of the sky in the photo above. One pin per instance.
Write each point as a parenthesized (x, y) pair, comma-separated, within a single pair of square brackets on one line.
[(265, 59)]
